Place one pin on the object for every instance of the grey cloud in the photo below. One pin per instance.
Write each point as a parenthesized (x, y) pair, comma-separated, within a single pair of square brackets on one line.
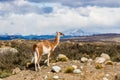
[(13, 7), (24, 8), (6, 0), (76, 3)]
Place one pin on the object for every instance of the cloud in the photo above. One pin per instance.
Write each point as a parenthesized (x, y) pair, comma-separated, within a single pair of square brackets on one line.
[(77, 3), (18, 7), (24, 17)]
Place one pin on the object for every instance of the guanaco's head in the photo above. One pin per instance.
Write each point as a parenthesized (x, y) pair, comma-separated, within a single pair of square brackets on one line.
[(59, 33)]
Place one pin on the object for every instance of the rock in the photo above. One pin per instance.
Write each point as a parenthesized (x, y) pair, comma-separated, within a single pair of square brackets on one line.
[(56, 69), (80, 44), (75, 66), (6, 50), (77, 71), (55, 77), (100, 60), (16, 70), (90, 60), (107, 75), (84, 59), (45, 77), (81, 67), (62, 57), (106, 56), (104, 78)]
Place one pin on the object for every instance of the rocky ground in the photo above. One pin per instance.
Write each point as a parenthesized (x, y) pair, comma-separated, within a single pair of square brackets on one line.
[(101, 68)]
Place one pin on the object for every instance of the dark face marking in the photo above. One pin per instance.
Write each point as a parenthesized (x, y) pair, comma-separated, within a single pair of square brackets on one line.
[(61, 34)]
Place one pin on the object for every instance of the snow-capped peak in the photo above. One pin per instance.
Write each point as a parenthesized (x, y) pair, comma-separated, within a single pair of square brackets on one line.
[(76, 32)]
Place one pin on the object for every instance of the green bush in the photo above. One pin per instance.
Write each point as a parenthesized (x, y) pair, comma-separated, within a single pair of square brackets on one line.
[(99, 66), (69, 70), (109, 63), (4, 74)]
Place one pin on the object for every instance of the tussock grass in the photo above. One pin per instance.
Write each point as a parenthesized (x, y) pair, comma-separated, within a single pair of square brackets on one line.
[(69, 70), (99, 66), (4, 74)]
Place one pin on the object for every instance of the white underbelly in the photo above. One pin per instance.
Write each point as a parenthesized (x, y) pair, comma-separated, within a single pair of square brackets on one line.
[(46, 50)]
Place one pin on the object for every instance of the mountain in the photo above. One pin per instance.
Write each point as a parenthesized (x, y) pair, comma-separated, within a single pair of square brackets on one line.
[(31, 37), (71, 33), (77, 32)]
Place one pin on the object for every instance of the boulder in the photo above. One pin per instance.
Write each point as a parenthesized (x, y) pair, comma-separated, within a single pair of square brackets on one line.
[(77, 71), (56, 77), (100, 60), (84, 59), (62, 57), (106, 56), (90, 60), (105, 78), (45, 77), (16, 70), (56, 69), (6, 50), (75, 66)]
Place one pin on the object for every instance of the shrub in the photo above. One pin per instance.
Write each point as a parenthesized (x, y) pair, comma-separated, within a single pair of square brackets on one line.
[(109, 63), (9, 61), (69, 70), (99, 66), (4, 74)]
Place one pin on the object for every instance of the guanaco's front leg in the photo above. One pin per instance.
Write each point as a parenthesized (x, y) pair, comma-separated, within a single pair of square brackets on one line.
[(48, 59)]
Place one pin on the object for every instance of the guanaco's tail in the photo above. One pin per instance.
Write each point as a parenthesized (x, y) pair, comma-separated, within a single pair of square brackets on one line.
[(34, 47), (34, 53)]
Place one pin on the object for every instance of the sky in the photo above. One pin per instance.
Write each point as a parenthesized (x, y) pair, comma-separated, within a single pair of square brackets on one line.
[(49, 16)]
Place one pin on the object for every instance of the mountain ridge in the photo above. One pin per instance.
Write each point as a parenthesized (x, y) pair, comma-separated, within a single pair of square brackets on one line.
[(70, 33), (78, 32)]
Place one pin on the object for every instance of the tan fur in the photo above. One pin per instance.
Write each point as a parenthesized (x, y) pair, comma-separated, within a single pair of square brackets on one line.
[(47, 45)]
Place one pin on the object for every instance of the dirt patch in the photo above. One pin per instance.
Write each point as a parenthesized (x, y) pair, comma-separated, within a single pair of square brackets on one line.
[(88, 72)]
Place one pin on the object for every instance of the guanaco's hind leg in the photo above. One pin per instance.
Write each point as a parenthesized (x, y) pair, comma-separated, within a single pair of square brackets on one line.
[(39, 58), (36, 59)]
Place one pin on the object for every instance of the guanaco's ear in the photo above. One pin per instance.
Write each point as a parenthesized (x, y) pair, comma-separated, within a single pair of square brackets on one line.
[(56, 32), (61, 34)]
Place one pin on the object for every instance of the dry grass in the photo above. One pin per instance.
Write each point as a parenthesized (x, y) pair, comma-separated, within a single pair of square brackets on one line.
[(88, 49)]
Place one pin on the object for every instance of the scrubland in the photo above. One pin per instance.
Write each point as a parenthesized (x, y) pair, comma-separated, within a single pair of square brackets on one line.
[(74, 50)]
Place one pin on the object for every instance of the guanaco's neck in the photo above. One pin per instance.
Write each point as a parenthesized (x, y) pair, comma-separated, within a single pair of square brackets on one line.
[(56, 40)]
